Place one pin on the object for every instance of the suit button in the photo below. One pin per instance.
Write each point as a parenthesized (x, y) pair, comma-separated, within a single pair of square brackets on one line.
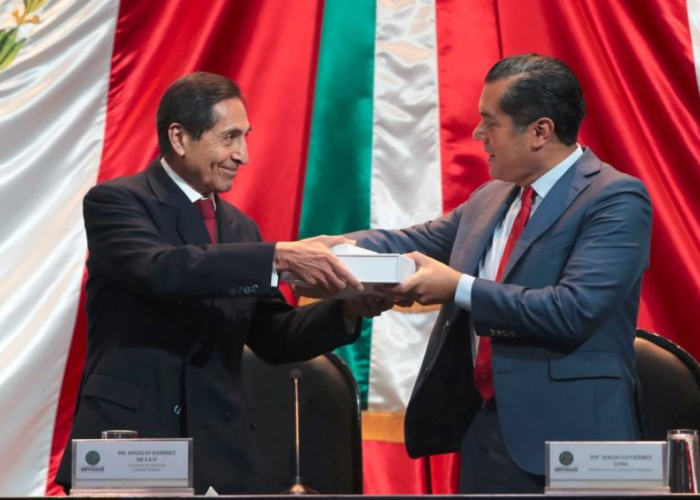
[(228, 416), (177, 409), (446, 326)]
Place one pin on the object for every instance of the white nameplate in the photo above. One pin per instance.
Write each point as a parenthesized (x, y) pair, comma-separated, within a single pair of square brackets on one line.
[(132, 464), (596, 465)]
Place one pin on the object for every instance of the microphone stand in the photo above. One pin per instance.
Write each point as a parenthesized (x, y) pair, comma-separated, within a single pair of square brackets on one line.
[(297, 488)]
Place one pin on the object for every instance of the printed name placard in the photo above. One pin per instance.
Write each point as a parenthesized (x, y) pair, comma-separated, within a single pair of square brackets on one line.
[(132, 464), (596, 465)]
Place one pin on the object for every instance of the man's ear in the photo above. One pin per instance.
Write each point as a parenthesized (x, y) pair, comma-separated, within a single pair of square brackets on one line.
[(543, 131), (178, 138)]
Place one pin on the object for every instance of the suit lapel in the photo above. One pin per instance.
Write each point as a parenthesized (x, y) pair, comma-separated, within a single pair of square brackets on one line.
[(469, 251), (226, 223), (563, 193), (178, 212)]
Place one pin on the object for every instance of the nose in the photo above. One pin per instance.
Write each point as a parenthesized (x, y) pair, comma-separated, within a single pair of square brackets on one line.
[(240, 153), (478, 133)]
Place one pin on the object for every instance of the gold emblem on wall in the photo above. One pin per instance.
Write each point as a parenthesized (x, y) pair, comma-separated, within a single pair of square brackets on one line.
[(9, 45)]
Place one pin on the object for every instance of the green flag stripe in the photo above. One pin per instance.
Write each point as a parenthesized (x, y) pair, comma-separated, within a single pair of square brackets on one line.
[(357, 357), (337, 185)]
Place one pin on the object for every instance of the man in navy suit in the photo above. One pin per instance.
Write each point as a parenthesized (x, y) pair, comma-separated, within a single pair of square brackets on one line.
[(179, 280), (539, 276)]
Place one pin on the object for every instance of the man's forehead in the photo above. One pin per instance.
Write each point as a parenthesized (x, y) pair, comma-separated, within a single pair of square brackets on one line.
[(231, 113), (487, 102), (228, 106), (491, 96)]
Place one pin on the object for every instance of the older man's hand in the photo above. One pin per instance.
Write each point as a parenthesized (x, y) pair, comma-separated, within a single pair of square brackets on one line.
[(433, 282), (367, 306), (311, 261)]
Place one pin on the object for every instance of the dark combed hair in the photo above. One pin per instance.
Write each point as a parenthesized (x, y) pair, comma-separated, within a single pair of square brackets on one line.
[(190, 102), (542, 87)]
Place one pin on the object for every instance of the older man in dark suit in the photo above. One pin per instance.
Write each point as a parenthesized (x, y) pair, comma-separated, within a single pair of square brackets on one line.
[(179, 280)]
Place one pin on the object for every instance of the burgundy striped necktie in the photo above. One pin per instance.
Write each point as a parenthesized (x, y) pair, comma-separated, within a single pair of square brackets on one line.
[(206, 208)]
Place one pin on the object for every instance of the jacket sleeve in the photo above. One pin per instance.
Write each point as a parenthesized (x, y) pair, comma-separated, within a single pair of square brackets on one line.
[(280, 334), (433, 238)]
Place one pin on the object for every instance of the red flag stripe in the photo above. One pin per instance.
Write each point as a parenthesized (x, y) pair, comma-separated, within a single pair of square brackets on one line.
[(388, 470), (468, 45)]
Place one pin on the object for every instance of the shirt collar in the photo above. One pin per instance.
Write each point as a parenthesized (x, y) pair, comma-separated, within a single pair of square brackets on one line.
[(544, 184), (191, 193)]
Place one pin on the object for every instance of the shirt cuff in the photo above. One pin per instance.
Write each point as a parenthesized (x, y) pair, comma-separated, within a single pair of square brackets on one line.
[(275, 280), (463, 294)]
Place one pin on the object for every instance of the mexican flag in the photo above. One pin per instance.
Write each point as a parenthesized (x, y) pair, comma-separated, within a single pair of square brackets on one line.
[(362, 113)]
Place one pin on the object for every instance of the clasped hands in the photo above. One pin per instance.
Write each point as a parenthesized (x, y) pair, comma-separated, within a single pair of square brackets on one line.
[(312, 261)]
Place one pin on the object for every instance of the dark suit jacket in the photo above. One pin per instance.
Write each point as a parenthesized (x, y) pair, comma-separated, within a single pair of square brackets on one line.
[(168, 314), (562, 321)]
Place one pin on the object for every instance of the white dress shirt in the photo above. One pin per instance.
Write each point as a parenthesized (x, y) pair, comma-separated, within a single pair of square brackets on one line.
[(189, 191)]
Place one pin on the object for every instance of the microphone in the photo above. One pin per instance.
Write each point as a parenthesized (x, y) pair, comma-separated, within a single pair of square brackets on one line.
[(297, 488)]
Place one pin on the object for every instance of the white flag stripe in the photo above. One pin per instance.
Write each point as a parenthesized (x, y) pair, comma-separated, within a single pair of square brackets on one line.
[(406, 185), (398, 344), (52, 119)]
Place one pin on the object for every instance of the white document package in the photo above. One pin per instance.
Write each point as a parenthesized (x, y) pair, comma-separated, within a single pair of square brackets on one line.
[(371, 268)]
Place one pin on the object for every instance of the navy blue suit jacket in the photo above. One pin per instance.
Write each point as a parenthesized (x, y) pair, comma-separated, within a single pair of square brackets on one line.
[(562, 320)]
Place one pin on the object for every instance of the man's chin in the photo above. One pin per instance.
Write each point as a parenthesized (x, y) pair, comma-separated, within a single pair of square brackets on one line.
[(222, 187)]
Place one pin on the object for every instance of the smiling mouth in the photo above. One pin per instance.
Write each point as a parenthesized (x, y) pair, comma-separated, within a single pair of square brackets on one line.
[(230, 171)]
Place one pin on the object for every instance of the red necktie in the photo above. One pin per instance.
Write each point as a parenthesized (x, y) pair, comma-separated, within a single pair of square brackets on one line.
[(483, 373), (206, 208)]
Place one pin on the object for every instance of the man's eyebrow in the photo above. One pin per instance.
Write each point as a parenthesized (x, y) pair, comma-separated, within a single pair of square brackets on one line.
[(485, 114), (234, 130)]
